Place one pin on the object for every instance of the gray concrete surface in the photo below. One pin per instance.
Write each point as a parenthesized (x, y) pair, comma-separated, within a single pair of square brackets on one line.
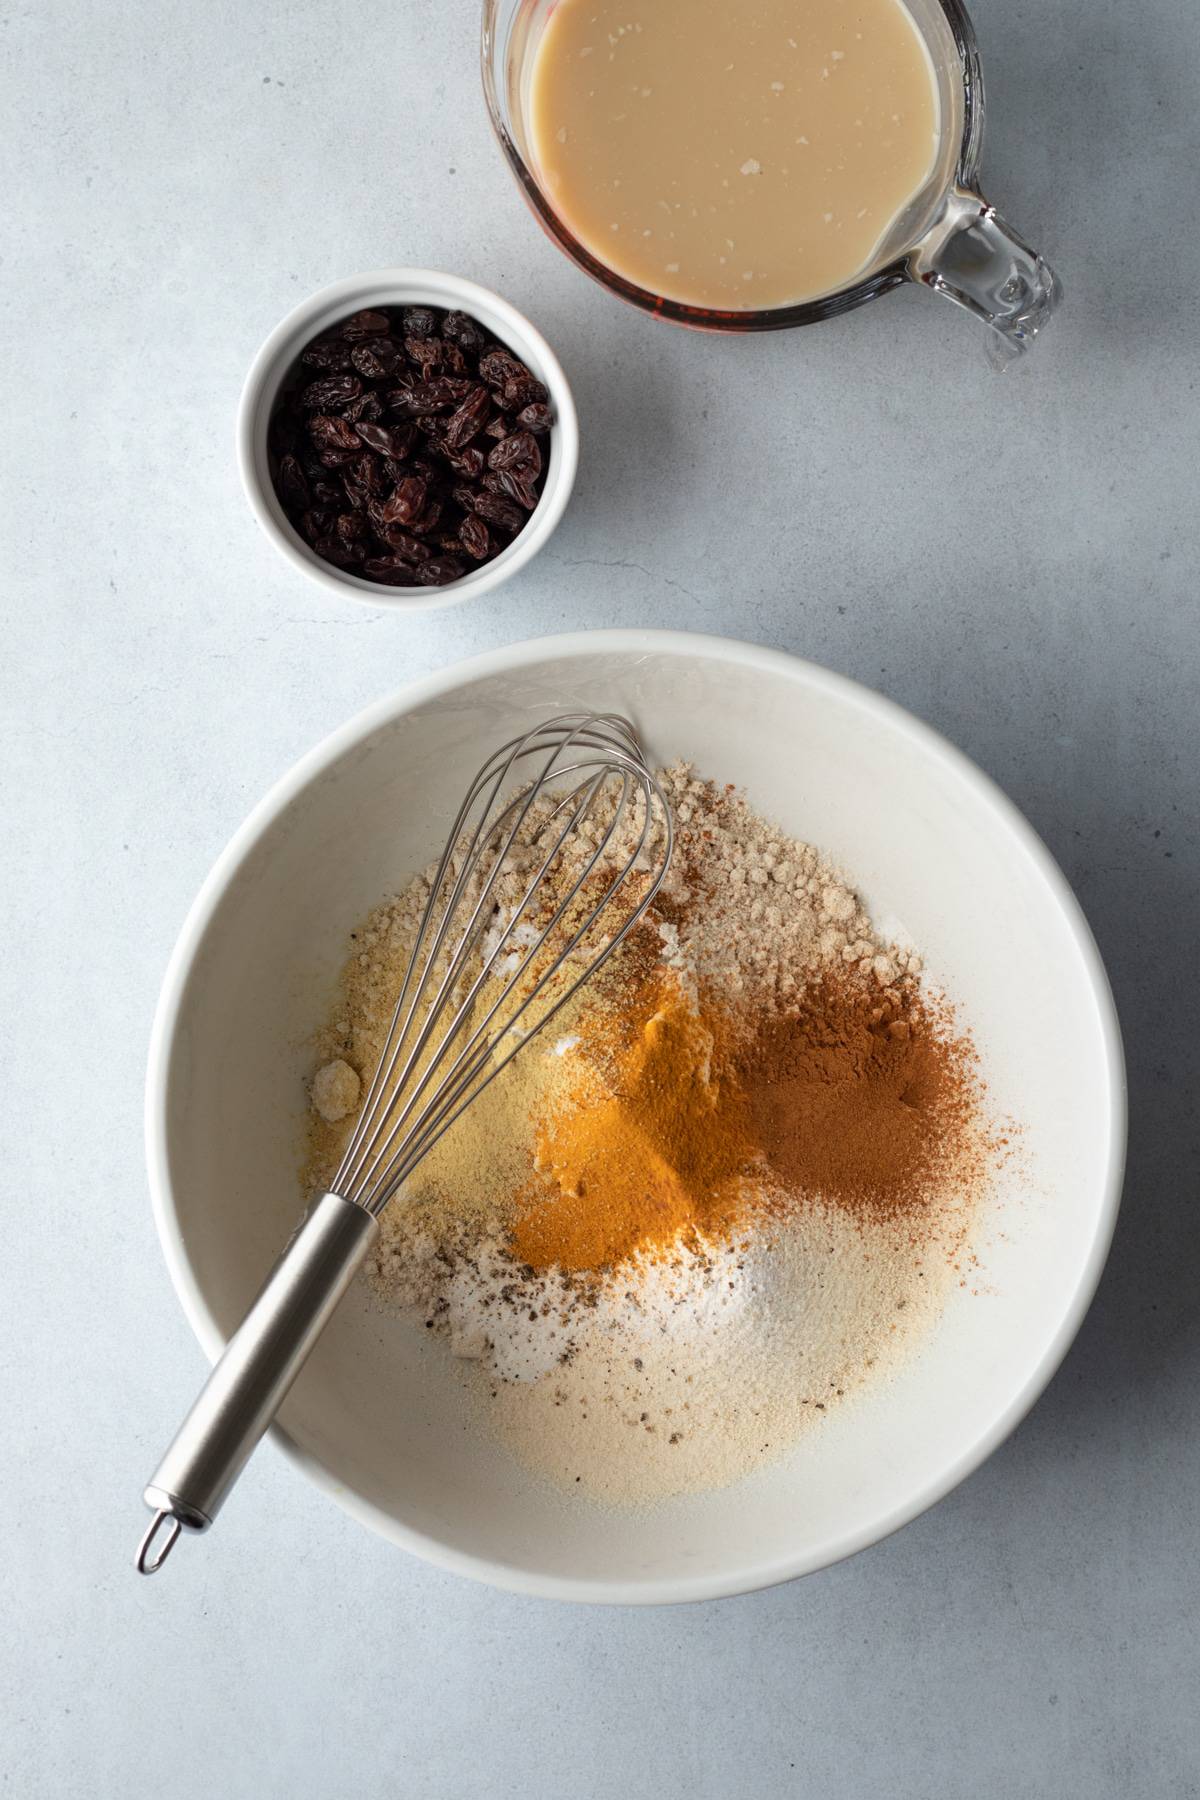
[(1015, 559)]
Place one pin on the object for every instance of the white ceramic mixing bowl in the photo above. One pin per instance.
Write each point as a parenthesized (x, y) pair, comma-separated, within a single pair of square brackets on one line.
[(377, 1419)]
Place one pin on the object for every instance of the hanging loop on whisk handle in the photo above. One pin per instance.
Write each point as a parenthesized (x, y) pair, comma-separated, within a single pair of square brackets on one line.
[(258, 1366)]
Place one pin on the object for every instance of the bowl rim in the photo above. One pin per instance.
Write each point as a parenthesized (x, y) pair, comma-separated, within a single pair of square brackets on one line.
[(408, 284), (752, 1576)]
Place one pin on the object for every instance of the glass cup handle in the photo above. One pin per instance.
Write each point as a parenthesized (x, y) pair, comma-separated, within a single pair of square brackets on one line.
[(973, 257)]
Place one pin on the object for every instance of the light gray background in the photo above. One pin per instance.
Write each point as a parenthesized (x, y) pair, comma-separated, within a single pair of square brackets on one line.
[(1014, 558)]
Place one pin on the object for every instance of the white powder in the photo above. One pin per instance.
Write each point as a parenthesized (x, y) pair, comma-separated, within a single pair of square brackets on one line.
[(669, 1378)]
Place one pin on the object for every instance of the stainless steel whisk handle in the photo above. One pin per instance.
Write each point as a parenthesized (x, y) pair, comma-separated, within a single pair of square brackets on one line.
[(258, 1366)]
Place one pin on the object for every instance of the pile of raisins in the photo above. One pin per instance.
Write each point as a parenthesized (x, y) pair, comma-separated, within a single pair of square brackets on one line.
[(406, 445)]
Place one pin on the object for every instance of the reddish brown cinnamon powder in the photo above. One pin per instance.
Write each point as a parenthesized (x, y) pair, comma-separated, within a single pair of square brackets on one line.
[(862, 1097)]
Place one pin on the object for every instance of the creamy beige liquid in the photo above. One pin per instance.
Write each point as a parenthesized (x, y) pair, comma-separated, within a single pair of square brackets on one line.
[(729, 155)]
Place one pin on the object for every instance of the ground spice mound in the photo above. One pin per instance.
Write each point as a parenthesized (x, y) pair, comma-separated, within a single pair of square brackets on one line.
[(658, 1157), (701, 1119), (864, 1098)]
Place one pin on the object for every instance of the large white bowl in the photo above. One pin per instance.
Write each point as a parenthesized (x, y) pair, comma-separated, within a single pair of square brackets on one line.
[(376, 1418)]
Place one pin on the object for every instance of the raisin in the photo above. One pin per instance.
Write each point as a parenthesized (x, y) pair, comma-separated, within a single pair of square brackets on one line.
[(330, 391), (331, 433), (439, 570), (426, 352), (535, 417), (366, 324), (473, 534), (392, 571), (407, 502), (332, 354), (520, 391), (419, 321), (384, 439), (317, 522), (337, 550), (376, 358), (467, 462), (367, 471), (498, 366), (496, 428), (499, 511), (429, 520), (404, 543), (427, 397), (512, 486), (463, 425), (351, 525), (293, 485), (461, 329), (519, 453), (368, 406)]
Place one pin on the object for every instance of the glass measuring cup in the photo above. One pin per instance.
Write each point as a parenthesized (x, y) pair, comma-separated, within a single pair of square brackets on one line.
[(949, 238)]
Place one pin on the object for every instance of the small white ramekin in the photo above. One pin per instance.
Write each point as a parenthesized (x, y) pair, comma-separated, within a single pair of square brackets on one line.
[(404, 287)]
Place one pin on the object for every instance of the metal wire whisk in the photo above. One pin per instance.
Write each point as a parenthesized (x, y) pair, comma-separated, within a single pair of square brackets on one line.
[(584, 840)]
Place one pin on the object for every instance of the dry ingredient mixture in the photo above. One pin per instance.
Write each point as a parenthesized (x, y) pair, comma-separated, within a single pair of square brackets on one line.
[(729, 1185)]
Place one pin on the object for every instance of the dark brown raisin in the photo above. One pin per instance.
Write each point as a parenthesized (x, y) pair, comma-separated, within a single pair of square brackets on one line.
[(383, 438), (496, 428), (392, 571), (428, 521), (331, 391), (461, 329), (366, 324), (317, 522), (520, 391), (468, 420), (293, 485), (520, 453), (498, 511), (440, 570), (419, 321), (368, 406), (407, 502), (425, 352), (338, 459), (467, 462), (404, 543), (453, 359), (331, 433), (325, 492), (332, 354), (351, 525), (337, 550), (535, 417), (473, 534), (509, 484), (368, 471), (376, 358), (498, 366), (424, 398)]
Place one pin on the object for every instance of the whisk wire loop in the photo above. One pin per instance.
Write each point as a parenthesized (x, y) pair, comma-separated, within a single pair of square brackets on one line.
[(432, 1065)]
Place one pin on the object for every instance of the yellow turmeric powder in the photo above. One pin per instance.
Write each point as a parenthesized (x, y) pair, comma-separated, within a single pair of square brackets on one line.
[(657, 1155)]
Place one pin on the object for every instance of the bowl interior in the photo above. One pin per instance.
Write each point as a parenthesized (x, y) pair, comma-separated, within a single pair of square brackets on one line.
[(407, 287), (378, 1413)]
